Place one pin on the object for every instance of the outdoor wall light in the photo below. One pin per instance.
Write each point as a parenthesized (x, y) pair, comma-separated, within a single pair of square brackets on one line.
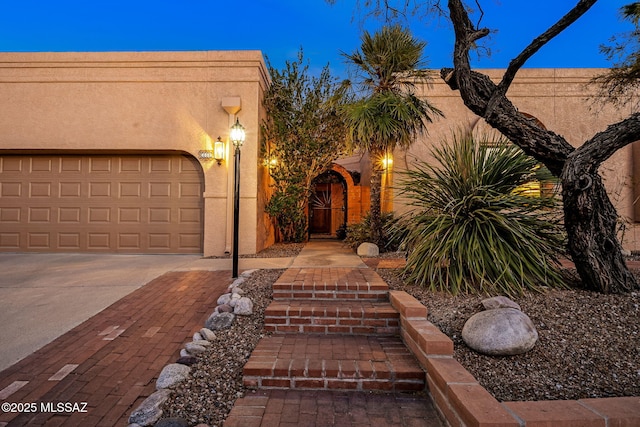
[(216, 154), (218, 151), (387, 161)]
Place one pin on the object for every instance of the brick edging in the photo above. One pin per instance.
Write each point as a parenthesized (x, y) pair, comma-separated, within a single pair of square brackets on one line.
[(462, 401)]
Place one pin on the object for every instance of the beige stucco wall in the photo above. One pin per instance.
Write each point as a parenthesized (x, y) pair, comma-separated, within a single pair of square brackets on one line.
[(144, 102), (559, 98), (172, 102)]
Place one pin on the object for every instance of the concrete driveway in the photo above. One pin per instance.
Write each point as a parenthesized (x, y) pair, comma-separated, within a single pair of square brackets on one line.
[(44, 295)]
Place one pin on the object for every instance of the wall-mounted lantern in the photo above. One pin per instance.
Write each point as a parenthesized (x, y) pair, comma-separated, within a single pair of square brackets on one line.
[(216, 154)]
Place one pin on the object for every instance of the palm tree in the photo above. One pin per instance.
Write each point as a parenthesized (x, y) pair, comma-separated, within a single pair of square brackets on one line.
[(385, 113)]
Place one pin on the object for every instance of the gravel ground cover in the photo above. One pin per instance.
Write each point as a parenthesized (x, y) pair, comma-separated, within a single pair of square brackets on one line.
[(215, 382), (588, 347)]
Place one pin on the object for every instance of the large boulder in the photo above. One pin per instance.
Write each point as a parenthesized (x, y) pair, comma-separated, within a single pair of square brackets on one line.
[(150, 410), (244, 307), (500, 332), (172, 375), (368, 250), (499, 302), (216, 322)]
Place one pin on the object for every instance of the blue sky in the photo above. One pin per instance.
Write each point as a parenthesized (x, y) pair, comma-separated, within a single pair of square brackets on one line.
[(280, 27)]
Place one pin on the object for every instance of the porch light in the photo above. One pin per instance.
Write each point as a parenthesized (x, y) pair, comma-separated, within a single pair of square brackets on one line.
[(387, 161), (216, 154), (218, 151)]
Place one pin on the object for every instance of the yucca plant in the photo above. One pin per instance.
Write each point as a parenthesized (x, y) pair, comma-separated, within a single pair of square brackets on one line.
[(471, 230)]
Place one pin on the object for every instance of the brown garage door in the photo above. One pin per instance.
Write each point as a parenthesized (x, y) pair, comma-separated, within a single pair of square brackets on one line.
[(100, 203)]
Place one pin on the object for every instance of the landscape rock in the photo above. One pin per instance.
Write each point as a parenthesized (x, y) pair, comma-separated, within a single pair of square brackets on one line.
[(207, 334), (172, 422), (194, 348), (244, 307), (224, 299), (150, 410), (216, 322), (368, 250), (172, 375), (187, 360), (237, 290), (225, 308), (185, 353), (197, 336), (500, 332), (248, 273), (499, 302), (234, 299)]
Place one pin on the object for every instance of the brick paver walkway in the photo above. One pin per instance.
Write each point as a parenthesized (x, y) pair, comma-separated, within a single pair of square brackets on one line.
[(111, 360), (297, 408)]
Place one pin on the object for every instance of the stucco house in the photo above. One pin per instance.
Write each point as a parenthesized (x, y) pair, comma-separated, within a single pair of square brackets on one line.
[(112, 151)]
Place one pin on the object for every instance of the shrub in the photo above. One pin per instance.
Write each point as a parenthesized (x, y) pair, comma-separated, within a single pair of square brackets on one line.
[(472, 230), (359, 233)]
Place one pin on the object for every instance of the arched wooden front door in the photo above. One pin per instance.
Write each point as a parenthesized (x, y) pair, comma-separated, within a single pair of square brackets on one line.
[(328, 204)]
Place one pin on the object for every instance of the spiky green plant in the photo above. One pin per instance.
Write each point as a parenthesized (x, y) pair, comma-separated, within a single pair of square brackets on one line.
[(471, 230)]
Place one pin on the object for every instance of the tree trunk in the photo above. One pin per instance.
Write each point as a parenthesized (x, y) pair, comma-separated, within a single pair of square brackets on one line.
[(590, 220), (375, 210)]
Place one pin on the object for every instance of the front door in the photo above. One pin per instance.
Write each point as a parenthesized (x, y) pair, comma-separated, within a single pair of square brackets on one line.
[(321, 210)]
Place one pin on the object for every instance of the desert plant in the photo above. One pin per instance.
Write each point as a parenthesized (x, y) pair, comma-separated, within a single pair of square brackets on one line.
[(471, 230)]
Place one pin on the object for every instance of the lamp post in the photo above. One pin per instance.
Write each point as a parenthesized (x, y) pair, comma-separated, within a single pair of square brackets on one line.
[(237, 138)]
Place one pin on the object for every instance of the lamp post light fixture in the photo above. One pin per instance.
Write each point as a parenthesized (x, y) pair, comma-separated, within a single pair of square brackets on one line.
[(237, 137)]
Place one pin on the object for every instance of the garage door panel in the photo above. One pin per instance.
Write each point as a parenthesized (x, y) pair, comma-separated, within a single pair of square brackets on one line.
[(129, 204), (41, 164), (40, 214), (11, 189), (10, 215), (160, 166), (11, 164)]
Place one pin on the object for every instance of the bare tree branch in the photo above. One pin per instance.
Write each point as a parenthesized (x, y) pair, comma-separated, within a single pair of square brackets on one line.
[(516, 63)]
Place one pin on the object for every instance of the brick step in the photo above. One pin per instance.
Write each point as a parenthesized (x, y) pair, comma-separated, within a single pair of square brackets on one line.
[(328, 317), (333, 362), (331, 284), (332, 291)]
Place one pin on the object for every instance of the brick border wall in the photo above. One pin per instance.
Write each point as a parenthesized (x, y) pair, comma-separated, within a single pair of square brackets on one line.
[(462, 401)]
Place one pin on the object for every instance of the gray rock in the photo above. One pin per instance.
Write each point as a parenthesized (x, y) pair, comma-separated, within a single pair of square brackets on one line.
[(234, 299), (237, 290), (244, 307), (172, 422), (197, 336), (216, 322), (224, 299), (207, 334), (187, 360), (172, 375), (240, 280), (185, 353), (499, 302), (225, 308), (248, 273), (203, 343), (500, 332), (194, 348), (368, 250), (150, 410)]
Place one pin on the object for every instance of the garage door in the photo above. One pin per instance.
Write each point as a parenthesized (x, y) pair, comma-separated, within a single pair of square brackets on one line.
[(101, 203)]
